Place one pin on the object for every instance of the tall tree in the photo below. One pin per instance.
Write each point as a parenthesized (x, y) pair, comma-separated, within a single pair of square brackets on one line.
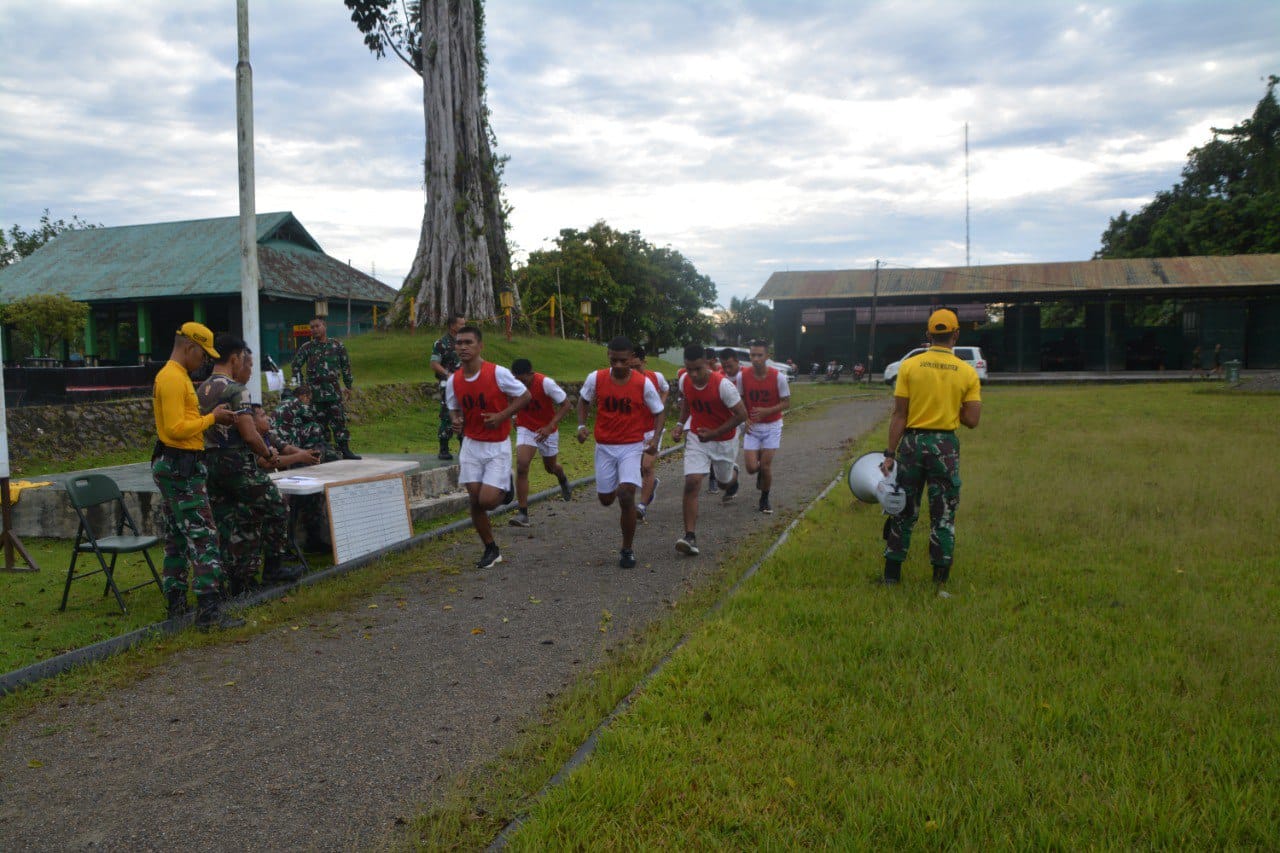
[(1227, 203), (746, 319), (18, 242), (462, 254), (652, 294)]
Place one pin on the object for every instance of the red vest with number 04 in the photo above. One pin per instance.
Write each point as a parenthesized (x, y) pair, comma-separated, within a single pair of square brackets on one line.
[(479, 397)]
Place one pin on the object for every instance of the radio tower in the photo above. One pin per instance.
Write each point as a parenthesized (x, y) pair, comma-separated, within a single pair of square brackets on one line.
[(966, 193)]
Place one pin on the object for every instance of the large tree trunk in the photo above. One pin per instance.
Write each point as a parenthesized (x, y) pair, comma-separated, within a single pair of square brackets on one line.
[(453, 270)]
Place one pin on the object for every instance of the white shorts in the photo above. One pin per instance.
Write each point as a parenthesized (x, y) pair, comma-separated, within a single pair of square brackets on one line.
[(550, 446), (703, 456), (617, 463), (487, 462), (763, 437)]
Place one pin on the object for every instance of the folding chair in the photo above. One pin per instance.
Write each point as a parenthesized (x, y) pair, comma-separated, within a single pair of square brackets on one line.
[(90, 491)]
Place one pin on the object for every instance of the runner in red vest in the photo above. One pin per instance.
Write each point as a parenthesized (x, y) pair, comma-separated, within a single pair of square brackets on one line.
[(714, 409), (482, 397), (627, 407), (538, 429), (649, 461), (767, 395)]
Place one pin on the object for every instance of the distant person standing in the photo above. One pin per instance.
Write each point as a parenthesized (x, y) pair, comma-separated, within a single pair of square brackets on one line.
[(627, 408), (935, 393), (322, 363), (444, 361), (538, 431), (482, 398), (713, 408), (767, 395), (177, 466), (1217, 360)]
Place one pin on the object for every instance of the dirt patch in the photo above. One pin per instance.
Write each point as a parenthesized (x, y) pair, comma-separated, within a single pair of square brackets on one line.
[(320, 737)]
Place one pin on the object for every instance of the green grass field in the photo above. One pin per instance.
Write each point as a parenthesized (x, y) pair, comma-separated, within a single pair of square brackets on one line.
[(1104, 678)]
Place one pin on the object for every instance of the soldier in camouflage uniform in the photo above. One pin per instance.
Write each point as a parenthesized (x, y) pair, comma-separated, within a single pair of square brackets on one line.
[(178, 468), (295, 423), (935, 393), (444, 361), (250, 513), (323, 364)]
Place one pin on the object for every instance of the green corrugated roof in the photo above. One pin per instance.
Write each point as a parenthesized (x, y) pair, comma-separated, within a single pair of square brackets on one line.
[(200, 257), (1049, 280)]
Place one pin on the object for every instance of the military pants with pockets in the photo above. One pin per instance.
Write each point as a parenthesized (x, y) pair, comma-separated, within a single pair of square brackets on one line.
[(930, 460), (332, 418), (190, 534), (249, 511)]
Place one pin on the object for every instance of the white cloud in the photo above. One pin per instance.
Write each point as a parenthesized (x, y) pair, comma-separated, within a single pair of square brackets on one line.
[(748, 136)]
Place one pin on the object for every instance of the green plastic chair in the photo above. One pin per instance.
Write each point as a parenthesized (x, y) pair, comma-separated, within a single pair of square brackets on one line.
[(87, 492)]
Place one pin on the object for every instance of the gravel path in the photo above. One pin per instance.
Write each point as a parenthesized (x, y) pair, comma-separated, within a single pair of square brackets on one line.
[(321, 736)]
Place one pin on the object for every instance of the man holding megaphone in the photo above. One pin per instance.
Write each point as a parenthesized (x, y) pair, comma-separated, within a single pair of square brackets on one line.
[(935, 393)]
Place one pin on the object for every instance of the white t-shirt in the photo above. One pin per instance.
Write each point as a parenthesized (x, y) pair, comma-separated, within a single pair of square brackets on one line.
[(507, 384), (552, 390)]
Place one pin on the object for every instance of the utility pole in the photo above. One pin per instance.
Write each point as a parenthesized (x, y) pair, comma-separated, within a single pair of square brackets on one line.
[(966, 193), (248, 215), (871, 337)]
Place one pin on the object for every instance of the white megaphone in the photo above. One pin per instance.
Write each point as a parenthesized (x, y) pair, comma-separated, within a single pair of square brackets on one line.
[(891, 496)]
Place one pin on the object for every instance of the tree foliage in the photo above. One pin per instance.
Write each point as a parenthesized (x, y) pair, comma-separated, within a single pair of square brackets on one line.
[(1227, 203), (745, 320), (17, 243), (651, 294), (46, 320), (462, 255)]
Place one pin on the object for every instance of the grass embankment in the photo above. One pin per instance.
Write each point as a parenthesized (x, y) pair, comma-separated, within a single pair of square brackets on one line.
[(1104, 677)]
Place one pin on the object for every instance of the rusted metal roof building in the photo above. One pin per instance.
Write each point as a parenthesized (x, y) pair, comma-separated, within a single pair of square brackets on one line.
[(144, 281), (1231, 300)]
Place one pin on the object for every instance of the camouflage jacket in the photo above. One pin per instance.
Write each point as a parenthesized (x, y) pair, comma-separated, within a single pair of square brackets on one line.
[(443, 351), (325, 367), (221, 388)]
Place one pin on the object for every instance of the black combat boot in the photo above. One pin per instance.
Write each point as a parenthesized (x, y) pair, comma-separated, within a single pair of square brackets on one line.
[(444, 455), (345, 449), (178, 606), (209, 613), (274, 573)]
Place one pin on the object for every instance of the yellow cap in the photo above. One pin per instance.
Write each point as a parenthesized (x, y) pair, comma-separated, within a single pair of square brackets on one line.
[(199, 333), (942, 321)]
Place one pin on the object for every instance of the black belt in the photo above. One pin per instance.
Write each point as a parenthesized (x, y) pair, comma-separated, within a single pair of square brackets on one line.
[(173, 454), (941, 431)]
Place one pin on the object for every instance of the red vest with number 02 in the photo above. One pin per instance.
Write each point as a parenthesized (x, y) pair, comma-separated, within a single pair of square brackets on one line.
[(621, 415), (479, 397), (761, 393)]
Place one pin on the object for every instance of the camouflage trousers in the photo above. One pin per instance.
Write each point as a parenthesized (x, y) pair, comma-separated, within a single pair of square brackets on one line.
[(332, 418), (932, 460), (250, 513), (445, 430), (190, 535)]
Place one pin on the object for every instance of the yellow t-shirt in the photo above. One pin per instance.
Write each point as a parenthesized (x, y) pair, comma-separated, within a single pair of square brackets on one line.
[(936, 382), (178, 420)]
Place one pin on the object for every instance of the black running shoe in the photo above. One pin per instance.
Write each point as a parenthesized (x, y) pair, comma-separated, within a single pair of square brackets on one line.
[(687, 545), (731, 490), (566, 490), (491, 556), (627, 559), (764, 506)]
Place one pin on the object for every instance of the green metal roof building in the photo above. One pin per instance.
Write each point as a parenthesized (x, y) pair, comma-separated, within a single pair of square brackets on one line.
[(144, 281), (1232, 300)]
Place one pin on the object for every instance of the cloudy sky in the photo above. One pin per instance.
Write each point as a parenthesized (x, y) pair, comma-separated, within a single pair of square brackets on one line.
[(750, 136)]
